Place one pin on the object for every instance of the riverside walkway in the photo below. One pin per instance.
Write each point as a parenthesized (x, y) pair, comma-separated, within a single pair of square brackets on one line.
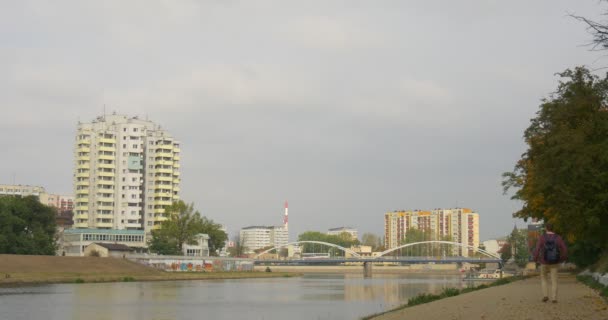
[(520, 300)]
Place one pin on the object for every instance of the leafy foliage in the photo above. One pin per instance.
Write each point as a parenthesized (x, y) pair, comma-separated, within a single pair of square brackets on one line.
[(181, 227), (372, 240), (26, 226), (344, 240), (518, 240), (563, 176)]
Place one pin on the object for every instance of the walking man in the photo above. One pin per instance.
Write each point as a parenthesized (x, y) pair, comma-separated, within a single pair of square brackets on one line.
[(549, 252)]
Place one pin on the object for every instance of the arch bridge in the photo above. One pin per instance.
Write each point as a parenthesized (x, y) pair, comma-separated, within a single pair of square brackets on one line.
[(435, 251)]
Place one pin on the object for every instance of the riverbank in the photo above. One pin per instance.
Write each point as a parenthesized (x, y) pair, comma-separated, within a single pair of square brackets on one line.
[(518, 300), (23, 270), (440, 269)]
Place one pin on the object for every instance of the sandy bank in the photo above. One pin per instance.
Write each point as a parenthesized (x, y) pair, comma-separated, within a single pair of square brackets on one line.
[(19, 269), (519, 300)]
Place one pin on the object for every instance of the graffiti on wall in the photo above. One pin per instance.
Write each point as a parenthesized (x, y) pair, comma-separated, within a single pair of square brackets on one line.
[(197, 265)]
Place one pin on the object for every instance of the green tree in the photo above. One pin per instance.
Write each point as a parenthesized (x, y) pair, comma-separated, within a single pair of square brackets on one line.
[(505, 252), (563, 176), (372, 240), (518, 241), (238, 249), (181, 227), (344, 240), (26, 226)]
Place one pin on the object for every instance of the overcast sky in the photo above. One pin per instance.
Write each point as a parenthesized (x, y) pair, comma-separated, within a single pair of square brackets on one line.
[(348, 109)]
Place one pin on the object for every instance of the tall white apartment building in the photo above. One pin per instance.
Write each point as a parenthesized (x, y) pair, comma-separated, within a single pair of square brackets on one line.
[(126, 173), (258, 237), (458, 225)]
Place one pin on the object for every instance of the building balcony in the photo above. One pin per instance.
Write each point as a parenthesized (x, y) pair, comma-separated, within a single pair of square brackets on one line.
[(104, 224), (162, 202), (159, 211), (107, 140), (83, 141), (83, 158), (83, 166), (169, 171), (176, 165), (176, 173), (176, 188), (110, 149), (105, 199), (82, 191), (106, 174), (82, 208), (177, 149), (163, 154), (175, 197), (163, 178), (164, 162), (176, 158), (105, 207), (83, 149), (106, 165), (162, 194), (81, 216), (176, 180), (106, 157), (82, 183), (81, 225), (82, 175), (105, 183)]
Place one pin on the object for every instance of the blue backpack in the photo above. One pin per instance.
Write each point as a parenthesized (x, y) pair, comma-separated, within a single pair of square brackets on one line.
[(551, 250)]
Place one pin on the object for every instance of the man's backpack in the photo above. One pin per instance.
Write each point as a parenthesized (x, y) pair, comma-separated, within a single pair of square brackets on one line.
[(551, 250)]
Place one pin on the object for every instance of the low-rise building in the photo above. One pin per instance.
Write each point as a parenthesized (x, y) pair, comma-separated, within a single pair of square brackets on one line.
[(105, 250), (73, 242), (200, 249), (21, 190)]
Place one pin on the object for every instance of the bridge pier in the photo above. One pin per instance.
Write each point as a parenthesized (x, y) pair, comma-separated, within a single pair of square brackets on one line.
[(367, 269)]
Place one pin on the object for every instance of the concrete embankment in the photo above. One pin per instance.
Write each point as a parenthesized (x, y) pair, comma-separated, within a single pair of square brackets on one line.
[(21, 269), (519, 300)]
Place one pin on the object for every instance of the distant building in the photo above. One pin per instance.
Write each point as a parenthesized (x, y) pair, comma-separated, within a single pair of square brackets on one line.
[(127, 170), (337, 231), (458, 225), (21, 190), (73, 242), (258, 237), (200, 249), (63, 203)]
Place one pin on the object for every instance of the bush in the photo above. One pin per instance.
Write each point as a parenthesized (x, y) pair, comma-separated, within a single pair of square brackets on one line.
[(422, 298), (128, 279), (79, 280), (449, 292)]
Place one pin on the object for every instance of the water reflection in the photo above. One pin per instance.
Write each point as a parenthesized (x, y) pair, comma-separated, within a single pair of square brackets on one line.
[(313, 296)]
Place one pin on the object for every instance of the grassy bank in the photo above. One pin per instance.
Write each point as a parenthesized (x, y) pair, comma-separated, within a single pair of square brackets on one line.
[(20, 270), (446, 293), (594, 284)]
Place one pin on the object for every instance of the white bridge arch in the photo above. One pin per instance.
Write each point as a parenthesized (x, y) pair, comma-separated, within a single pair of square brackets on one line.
[(313, 242), (440, 242)]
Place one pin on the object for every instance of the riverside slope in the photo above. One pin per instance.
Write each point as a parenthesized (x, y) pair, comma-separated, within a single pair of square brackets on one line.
[(520, 300)]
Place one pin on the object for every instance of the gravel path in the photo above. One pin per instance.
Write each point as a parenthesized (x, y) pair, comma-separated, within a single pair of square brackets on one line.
[(520, 300)]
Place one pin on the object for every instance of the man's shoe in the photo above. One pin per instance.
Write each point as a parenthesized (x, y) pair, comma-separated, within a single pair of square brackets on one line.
[(545, 299)]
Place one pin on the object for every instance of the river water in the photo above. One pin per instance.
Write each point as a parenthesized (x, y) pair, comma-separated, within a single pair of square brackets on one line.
[(312, 296)]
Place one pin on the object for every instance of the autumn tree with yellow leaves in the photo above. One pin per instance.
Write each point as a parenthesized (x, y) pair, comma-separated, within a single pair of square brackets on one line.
[(563, 176)]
